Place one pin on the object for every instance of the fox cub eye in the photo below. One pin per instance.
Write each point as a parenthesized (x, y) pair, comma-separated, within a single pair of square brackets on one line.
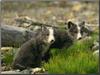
[(47, 34)]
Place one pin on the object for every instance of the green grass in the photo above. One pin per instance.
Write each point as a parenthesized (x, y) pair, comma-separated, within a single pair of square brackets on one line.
[(76, 59), (8, 56)]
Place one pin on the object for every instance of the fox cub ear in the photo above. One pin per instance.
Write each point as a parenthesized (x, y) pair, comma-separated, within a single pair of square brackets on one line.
[(82, 23), (70, 24)]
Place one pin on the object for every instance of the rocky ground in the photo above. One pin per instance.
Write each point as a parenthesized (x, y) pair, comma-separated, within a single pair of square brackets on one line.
[(55, 13)]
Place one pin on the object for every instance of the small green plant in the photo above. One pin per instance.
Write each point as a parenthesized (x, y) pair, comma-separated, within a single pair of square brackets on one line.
[(8, 56)]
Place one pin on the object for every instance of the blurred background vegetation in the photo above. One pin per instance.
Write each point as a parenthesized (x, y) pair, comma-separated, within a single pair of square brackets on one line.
[(52, 12)]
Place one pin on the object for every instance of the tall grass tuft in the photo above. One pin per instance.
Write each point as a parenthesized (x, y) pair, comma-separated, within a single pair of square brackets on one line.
[(76, 59)]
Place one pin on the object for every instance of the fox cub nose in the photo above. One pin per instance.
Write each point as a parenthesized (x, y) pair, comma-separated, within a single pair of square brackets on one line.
[(52, 41), (79, 38)]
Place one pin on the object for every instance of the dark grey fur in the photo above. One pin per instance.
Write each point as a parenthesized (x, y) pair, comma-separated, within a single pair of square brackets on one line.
[(31, 52), (84, 30), (65, 38)]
